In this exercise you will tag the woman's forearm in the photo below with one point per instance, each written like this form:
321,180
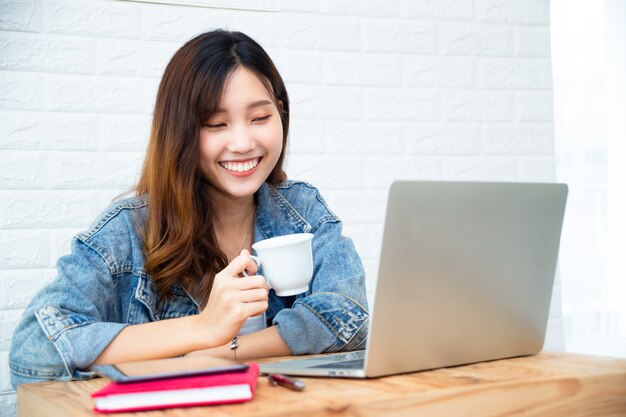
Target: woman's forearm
156,340
263,344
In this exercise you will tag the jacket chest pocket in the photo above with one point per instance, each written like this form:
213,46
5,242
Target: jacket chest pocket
178,304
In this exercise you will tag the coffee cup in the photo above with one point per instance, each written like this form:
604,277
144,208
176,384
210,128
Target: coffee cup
287,262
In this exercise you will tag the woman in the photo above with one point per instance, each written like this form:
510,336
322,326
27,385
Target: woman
159,275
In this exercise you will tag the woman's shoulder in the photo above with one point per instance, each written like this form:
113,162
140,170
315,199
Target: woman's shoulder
298,200
118,219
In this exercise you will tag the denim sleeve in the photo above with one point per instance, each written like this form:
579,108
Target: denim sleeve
65,328
333,315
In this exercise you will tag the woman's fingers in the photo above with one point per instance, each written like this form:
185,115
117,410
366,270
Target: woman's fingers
248,283
255,308
253,295
242,262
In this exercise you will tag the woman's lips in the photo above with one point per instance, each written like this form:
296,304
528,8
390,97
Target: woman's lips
240,168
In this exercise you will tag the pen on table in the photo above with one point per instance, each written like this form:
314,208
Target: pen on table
285,381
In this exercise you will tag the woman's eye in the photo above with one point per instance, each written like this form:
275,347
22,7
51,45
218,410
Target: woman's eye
215,125
261,119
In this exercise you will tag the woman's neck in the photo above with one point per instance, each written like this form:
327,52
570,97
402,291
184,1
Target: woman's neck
233,223
232,211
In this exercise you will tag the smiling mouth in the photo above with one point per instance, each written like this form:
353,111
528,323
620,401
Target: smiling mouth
240,166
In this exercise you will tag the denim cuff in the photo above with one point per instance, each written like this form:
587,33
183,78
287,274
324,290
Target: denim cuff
323,322
78,338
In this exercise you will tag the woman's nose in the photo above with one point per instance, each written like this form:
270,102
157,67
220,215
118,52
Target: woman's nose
241,141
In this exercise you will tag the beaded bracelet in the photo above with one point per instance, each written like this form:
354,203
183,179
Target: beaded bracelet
234,345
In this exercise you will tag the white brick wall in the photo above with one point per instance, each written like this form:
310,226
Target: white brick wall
381,89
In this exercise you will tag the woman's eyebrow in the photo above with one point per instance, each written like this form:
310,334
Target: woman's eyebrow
249,106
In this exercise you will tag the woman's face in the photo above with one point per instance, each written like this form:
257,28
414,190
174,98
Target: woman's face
241,143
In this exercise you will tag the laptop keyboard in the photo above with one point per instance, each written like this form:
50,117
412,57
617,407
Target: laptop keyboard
353,364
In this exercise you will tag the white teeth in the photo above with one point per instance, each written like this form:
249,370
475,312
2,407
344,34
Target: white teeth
240,166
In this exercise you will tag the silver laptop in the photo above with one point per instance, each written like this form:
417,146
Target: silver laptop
465,275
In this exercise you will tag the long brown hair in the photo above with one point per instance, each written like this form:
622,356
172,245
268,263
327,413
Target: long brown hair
180,245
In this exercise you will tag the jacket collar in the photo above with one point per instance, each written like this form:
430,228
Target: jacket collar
275,215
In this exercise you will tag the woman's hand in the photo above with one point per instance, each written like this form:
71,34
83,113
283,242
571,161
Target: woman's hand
233,299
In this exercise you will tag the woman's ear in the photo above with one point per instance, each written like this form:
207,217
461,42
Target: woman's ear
280,106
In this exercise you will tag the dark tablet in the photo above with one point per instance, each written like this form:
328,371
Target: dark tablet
168,368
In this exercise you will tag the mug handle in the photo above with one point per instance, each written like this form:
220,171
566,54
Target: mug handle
257,261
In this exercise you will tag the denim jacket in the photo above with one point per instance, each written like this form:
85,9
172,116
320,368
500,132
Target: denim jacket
102,286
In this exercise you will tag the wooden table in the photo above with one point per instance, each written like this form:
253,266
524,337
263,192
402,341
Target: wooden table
548,384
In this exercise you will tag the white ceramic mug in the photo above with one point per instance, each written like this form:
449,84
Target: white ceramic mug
287,262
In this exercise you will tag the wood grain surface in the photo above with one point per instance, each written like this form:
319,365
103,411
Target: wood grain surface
547,384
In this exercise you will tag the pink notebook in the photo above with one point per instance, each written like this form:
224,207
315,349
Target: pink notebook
191,391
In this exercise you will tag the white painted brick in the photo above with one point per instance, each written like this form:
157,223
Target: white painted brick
315,102
476,39
474,106
299,31
106,198
400,36
442,138
35,130
305,101
537,168
441,9
405,104
319,32
358,205
51,53
493,168
534,106
20,286
260,26
518,138
379,173
440,71
361,69
94,94
8,404
51,209
371,271
359,138
180,23
23,249
421,168
133,58
124,133
358,234
21,91
20,15
373,99
21,169
341,103
340,33
306,137
61,239
150,90
298,5
5,381
506,73
532,41
8,321
326,171
118,19
367,239
297,65
533,12
78,170
376,8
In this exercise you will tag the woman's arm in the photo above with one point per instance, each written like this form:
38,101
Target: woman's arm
231,302
263,344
